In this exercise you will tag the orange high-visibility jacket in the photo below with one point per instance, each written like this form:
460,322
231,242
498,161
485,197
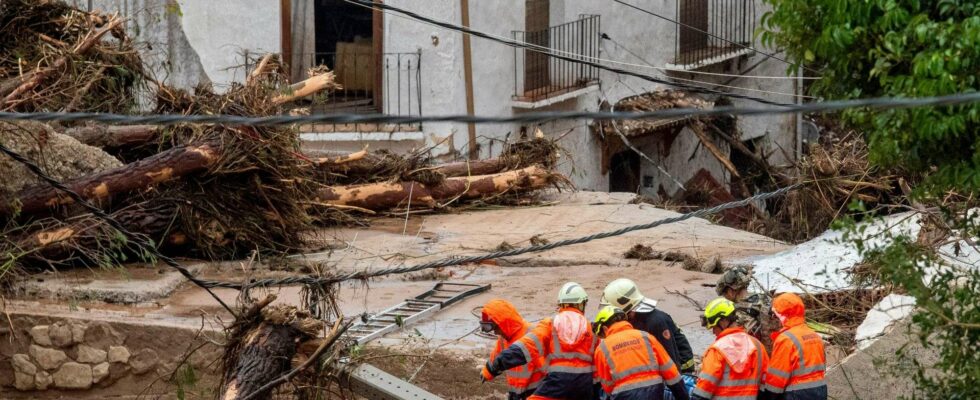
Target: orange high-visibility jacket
568,365
522,379
631,364
732,368
798,359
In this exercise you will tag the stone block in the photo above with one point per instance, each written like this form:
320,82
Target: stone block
90,355
60,334
22,363
42,380
101,335
99,372
118,354
73,375
23,381
39,334
46,358
78,333
144,361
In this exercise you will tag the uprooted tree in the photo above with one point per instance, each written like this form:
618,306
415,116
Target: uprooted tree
909,49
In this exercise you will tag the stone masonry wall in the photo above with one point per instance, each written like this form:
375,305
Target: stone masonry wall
49,357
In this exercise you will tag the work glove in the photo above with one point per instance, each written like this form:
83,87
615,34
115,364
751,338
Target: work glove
688,366
487,373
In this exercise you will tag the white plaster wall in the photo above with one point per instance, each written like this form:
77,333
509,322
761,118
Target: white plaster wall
222,31
156,27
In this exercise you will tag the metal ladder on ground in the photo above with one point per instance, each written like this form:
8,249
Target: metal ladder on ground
442,295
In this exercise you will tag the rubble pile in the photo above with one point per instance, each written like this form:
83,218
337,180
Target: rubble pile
207,191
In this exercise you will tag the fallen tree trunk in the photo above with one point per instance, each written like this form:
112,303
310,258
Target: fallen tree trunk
263,348
141,174
383,196
61,241
115,137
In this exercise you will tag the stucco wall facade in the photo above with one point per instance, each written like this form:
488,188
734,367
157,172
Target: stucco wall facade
206,40
634,38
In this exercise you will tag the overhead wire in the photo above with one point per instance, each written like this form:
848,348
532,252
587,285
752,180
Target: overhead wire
880,103
548,52
717,85
744,46
591,58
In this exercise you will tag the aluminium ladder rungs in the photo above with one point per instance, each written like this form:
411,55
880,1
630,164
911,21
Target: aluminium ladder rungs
442,295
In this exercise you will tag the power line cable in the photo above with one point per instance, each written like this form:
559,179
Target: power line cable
451,261
716,86
598,59
138,240
768,55
576,59
320,280
629,144
880,103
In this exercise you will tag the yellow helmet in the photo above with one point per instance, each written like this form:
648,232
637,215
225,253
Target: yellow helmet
606,314
716,310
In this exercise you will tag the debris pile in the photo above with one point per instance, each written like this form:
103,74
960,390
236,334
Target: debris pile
58,58
209,191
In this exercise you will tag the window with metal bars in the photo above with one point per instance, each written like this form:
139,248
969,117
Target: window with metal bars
713,31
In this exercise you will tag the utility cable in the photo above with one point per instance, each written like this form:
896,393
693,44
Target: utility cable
576,59
773,56
360,275
101,215
451,261
878,103
627,142
726,85
599,59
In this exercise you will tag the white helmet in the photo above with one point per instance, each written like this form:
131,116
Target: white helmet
572,293
624,294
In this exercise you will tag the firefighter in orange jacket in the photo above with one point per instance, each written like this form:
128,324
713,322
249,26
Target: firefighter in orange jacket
566,343
630,364
734,365
500,317
796,370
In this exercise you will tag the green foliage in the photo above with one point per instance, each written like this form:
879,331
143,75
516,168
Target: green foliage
898,48
186,380
907,48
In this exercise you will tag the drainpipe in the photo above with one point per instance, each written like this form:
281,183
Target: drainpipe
799,116
286,34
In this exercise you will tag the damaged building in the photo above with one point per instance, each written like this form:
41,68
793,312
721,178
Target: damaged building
387,63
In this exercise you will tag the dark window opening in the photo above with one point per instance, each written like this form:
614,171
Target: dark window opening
345,43
624,172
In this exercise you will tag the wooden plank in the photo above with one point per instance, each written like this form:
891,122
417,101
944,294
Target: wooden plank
474,150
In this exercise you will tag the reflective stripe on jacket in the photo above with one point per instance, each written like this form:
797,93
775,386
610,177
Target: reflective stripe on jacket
568,365
798,360
522,379
631,364
732,368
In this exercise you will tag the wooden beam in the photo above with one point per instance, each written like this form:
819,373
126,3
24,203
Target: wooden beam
474,150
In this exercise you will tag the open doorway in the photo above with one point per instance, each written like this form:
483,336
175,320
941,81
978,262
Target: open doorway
624,172
348,41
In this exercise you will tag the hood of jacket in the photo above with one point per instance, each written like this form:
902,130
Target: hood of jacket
790,310
503,313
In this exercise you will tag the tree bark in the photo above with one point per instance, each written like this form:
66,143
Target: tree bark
266,349
115,137
61,242
383,196
305,88
141,174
